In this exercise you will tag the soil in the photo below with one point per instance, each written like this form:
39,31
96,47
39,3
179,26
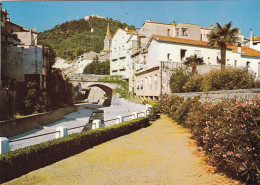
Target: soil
160,154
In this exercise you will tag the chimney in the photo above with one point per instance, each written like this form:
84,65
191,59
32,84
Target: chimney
34,29
251,38
174,29
239,47
8,19
211,26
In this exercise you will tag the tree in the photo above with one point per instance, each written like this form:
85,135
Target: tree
97,67
192,62
222,37
34,99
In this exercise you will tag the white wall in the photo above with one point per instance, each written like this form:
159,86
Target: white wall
121,62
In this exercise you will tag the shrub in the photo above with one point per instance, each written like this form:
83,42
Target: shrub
227,79
34,100
178,79
228,131
154,111
193,84
16,163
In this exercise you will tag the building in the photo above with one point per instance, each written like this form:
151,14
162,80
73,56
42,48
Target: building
123,46
253,42
22,59
164,53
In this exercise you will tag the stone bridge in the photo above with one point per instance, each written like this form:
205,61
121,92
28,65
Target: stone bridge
85,82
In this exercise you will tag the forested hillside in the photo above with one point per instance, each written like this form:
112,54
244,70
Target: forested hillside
74,38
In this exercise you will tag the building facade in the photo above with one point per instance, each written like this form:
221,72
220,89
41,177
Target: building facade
166,53
22,59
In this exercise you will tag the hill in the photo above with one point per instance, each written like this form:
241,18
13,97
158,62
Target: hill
74,38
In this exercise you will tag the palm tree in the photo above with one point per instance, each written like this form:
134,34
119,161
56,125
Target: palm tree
192,62
221,37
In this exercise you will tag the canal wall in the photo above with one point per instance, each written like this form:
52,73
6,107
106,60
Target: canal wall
17,126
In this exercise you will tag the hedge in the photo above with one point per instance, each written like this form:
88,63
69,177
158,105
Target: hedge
19,162
229,132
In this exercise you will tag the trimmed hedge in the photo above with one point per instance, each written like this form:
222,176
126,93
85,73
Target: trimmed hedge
19,162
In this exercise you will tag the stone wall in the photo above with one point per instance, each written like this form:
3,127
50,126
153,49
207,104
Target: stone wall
14,127
241,94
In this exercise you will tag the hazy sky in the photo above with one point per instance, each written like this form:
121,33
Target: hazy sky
45,15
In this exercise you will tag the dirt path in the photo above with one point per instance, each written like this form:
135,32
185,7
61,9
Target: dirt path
159,154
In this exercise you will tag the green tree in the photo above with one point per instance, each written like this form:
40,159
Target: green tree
193,61
97,67
222,37
178,79
34,100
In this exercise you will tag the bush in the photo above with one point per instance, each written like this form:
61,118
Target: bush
34,100
227,79
19,162
154,112
193,84
178,79
223,79
228,131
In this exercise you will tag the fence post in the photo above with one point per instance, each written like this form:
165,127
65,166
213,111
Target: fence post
135,115
4,145
119,119
63,131
96,123
144,113
147,107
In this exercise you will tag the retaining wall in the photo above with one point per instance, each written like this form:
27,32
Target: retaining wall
241,94
17,126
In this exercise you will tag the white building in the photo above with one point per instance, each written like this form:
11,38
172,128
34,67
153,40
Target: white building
122,47
170,52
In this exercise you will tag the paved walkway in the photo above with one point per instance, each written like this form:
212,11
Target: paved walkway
160,154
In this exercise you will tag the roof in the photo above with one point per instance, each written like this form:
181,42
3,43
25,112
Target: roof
254,39
23,28
180,40
155,23
246,51
128,31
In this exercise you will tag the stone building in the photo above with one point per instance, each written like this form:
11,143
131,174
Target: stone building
22,59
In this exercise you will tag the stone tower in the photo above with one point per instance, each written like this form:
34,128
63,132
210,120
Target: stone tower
107,40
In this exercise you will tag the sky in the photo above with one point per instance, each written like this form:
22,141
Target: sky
45,15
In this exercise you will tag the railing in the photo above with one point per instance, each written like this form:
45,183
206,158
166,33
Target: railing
63,131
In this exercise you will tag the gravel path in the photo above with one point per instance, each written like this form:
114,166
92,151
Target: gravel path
159,154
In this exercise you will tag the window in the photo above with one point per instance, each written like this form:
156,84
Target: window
146,82
258,69
177,32
150,82
184,32
137,85
144,59
183,52
168,32
247,64
155,82
142,84
235,63
218,57
209,60
168,56
198,53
